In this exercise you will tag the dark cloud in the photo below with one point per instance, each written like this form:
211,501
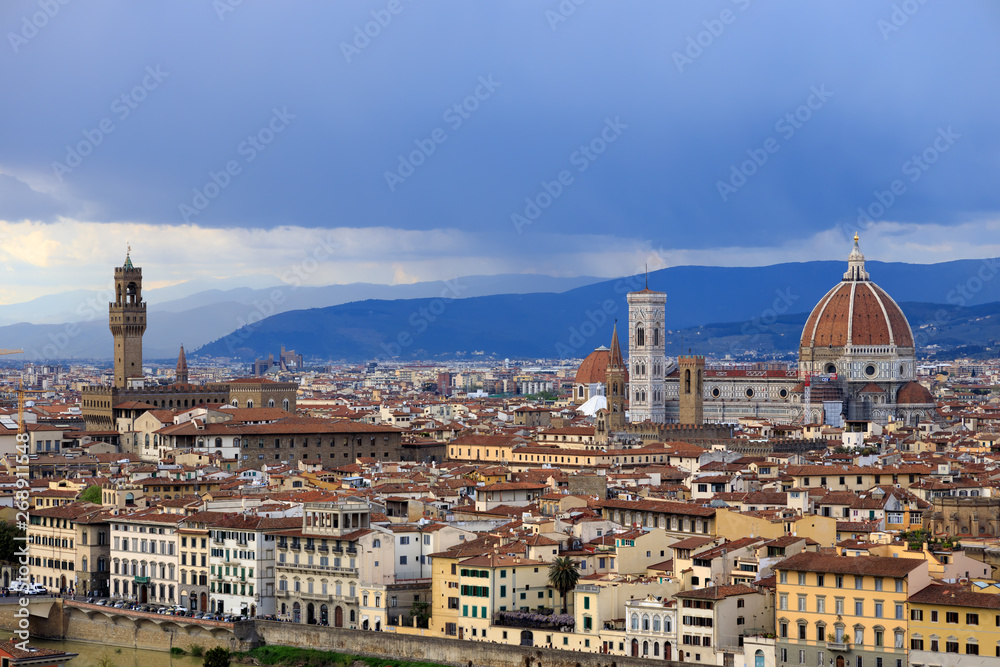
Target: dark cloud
701,86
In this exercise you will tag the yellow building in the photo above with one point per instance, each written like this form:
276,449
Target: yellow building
843,610
69,548
951,626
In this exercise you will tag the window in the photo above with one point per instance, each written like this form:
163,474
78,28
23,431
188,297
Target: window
783,601
840,581
951,646
802,578
859,636
972,619
918,615
934,616
802,603
859,583
802,631
878,609
784,577
899,611
879,637
859,609
951,617
819,579
878,583
897,639
820,605
784,629
972,649
838,606
916,644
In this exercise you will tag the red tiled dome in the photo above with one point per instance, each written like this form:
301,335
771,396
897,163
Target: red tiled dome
913,393
856,313
594,368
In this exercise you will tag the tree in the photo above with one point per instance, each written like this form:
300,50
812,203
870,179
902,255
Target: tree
217,657
92,494
563,575
9,544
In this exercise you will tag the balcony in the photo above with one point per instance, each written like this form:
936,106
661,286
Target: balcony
310,547
842,645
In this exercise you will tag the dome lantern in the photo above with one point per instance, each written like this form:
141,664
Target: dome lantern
856,263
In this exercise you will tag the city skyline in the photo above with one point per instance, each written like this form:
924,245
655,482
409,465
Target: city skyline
228,142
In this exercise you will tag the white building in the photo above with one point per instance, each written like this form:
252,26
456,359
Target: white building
144,560
241,563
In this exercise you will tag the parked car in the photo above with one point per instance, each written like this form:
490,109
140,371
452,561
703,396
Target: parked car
35,589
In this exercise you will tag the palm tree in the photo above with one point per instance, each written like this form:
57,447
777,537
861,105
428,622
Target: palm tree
563,575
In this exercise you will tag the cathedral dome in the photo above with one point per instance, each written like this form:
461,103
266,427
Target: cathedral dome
594,368
856,312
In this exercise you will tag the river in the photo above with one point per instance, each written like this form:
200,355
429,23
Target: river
91,655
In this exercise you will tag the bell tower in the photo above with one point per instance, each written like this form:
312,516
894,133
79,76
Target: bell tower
616,380
127,319
692,401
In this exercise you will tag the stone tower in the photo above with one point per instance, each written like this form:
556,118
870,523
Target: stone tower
127,319
181,376
692,371
616,378
646,355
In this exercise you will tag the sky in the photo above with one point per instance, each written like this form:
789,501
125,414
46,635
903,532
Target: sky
395,141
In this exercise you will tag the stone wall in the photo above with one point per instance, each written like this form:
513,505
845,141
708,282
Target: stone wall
437,649
76,621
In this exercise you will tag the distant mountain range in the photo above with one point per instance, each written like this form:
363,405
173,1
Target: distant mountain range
74,324
765,308
762,310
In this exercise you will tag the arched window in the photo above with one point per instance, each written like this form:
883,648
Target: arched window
249,403
635,621
218,442
640,337
656,334
687,380
236,403
645,623
285,403
270,403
